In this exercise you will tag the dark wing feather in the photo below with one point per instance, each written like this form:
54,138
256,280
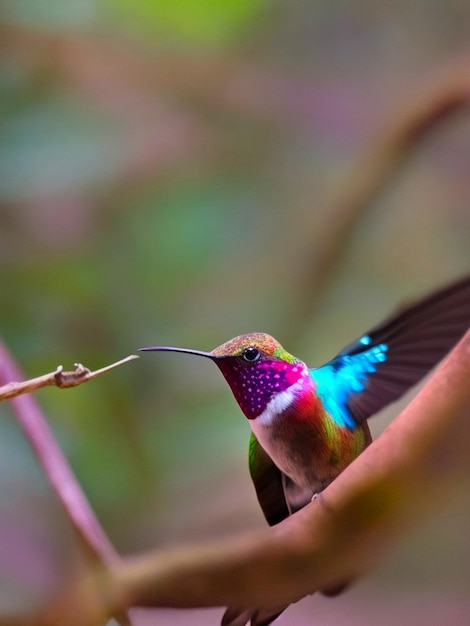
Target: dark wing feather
236,616
268,482
278,497
382,365
255,617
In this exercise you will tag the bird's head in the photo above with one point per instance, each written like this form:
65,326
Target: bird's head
256,367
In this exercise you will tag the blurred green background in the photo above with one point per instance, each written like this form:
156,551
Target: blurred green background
164,169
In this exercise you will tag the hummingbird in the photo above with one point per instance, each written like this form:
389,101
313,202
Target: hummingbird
308,424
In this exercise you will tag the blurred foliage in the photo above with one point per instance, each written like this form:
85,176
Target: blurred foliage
208,22
162,169
35,138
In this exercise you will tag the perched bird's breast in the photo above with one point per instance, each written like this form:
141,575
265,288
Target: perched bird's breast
305,442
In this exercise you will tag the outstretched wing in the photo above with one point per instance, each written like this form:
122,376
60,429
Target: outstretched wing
382,365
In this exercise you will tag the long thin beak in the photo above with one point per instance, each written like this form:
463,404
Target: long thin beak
208,355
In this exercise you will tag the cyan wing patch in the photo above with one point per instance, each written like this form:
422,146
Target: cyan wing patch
383,364
345,375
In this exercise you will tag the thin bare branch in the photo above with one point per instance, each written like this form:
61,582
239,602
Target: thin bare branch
58,378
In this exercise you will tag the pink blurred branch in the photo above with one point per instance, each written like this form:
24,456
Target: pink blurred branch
55,465
51,458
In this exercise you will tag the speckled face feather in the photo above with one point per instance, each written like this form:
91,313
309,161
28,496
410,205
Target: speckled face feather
254,384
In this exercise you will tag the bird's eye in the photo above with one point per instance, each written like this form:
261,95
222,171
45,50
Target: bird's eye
251,354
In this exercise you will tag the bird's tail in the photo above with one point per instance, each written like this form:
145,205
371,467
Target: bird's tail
236,616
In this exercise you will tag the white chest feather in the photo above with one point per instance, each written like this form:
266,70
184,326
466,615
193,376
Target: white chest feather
277,405
264,425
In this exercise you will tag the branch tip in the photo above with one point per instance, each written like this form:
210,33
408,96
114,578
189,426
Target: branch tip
59,378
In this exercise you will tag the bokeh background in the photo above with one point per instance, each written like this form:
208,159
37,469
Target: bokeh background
165,169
